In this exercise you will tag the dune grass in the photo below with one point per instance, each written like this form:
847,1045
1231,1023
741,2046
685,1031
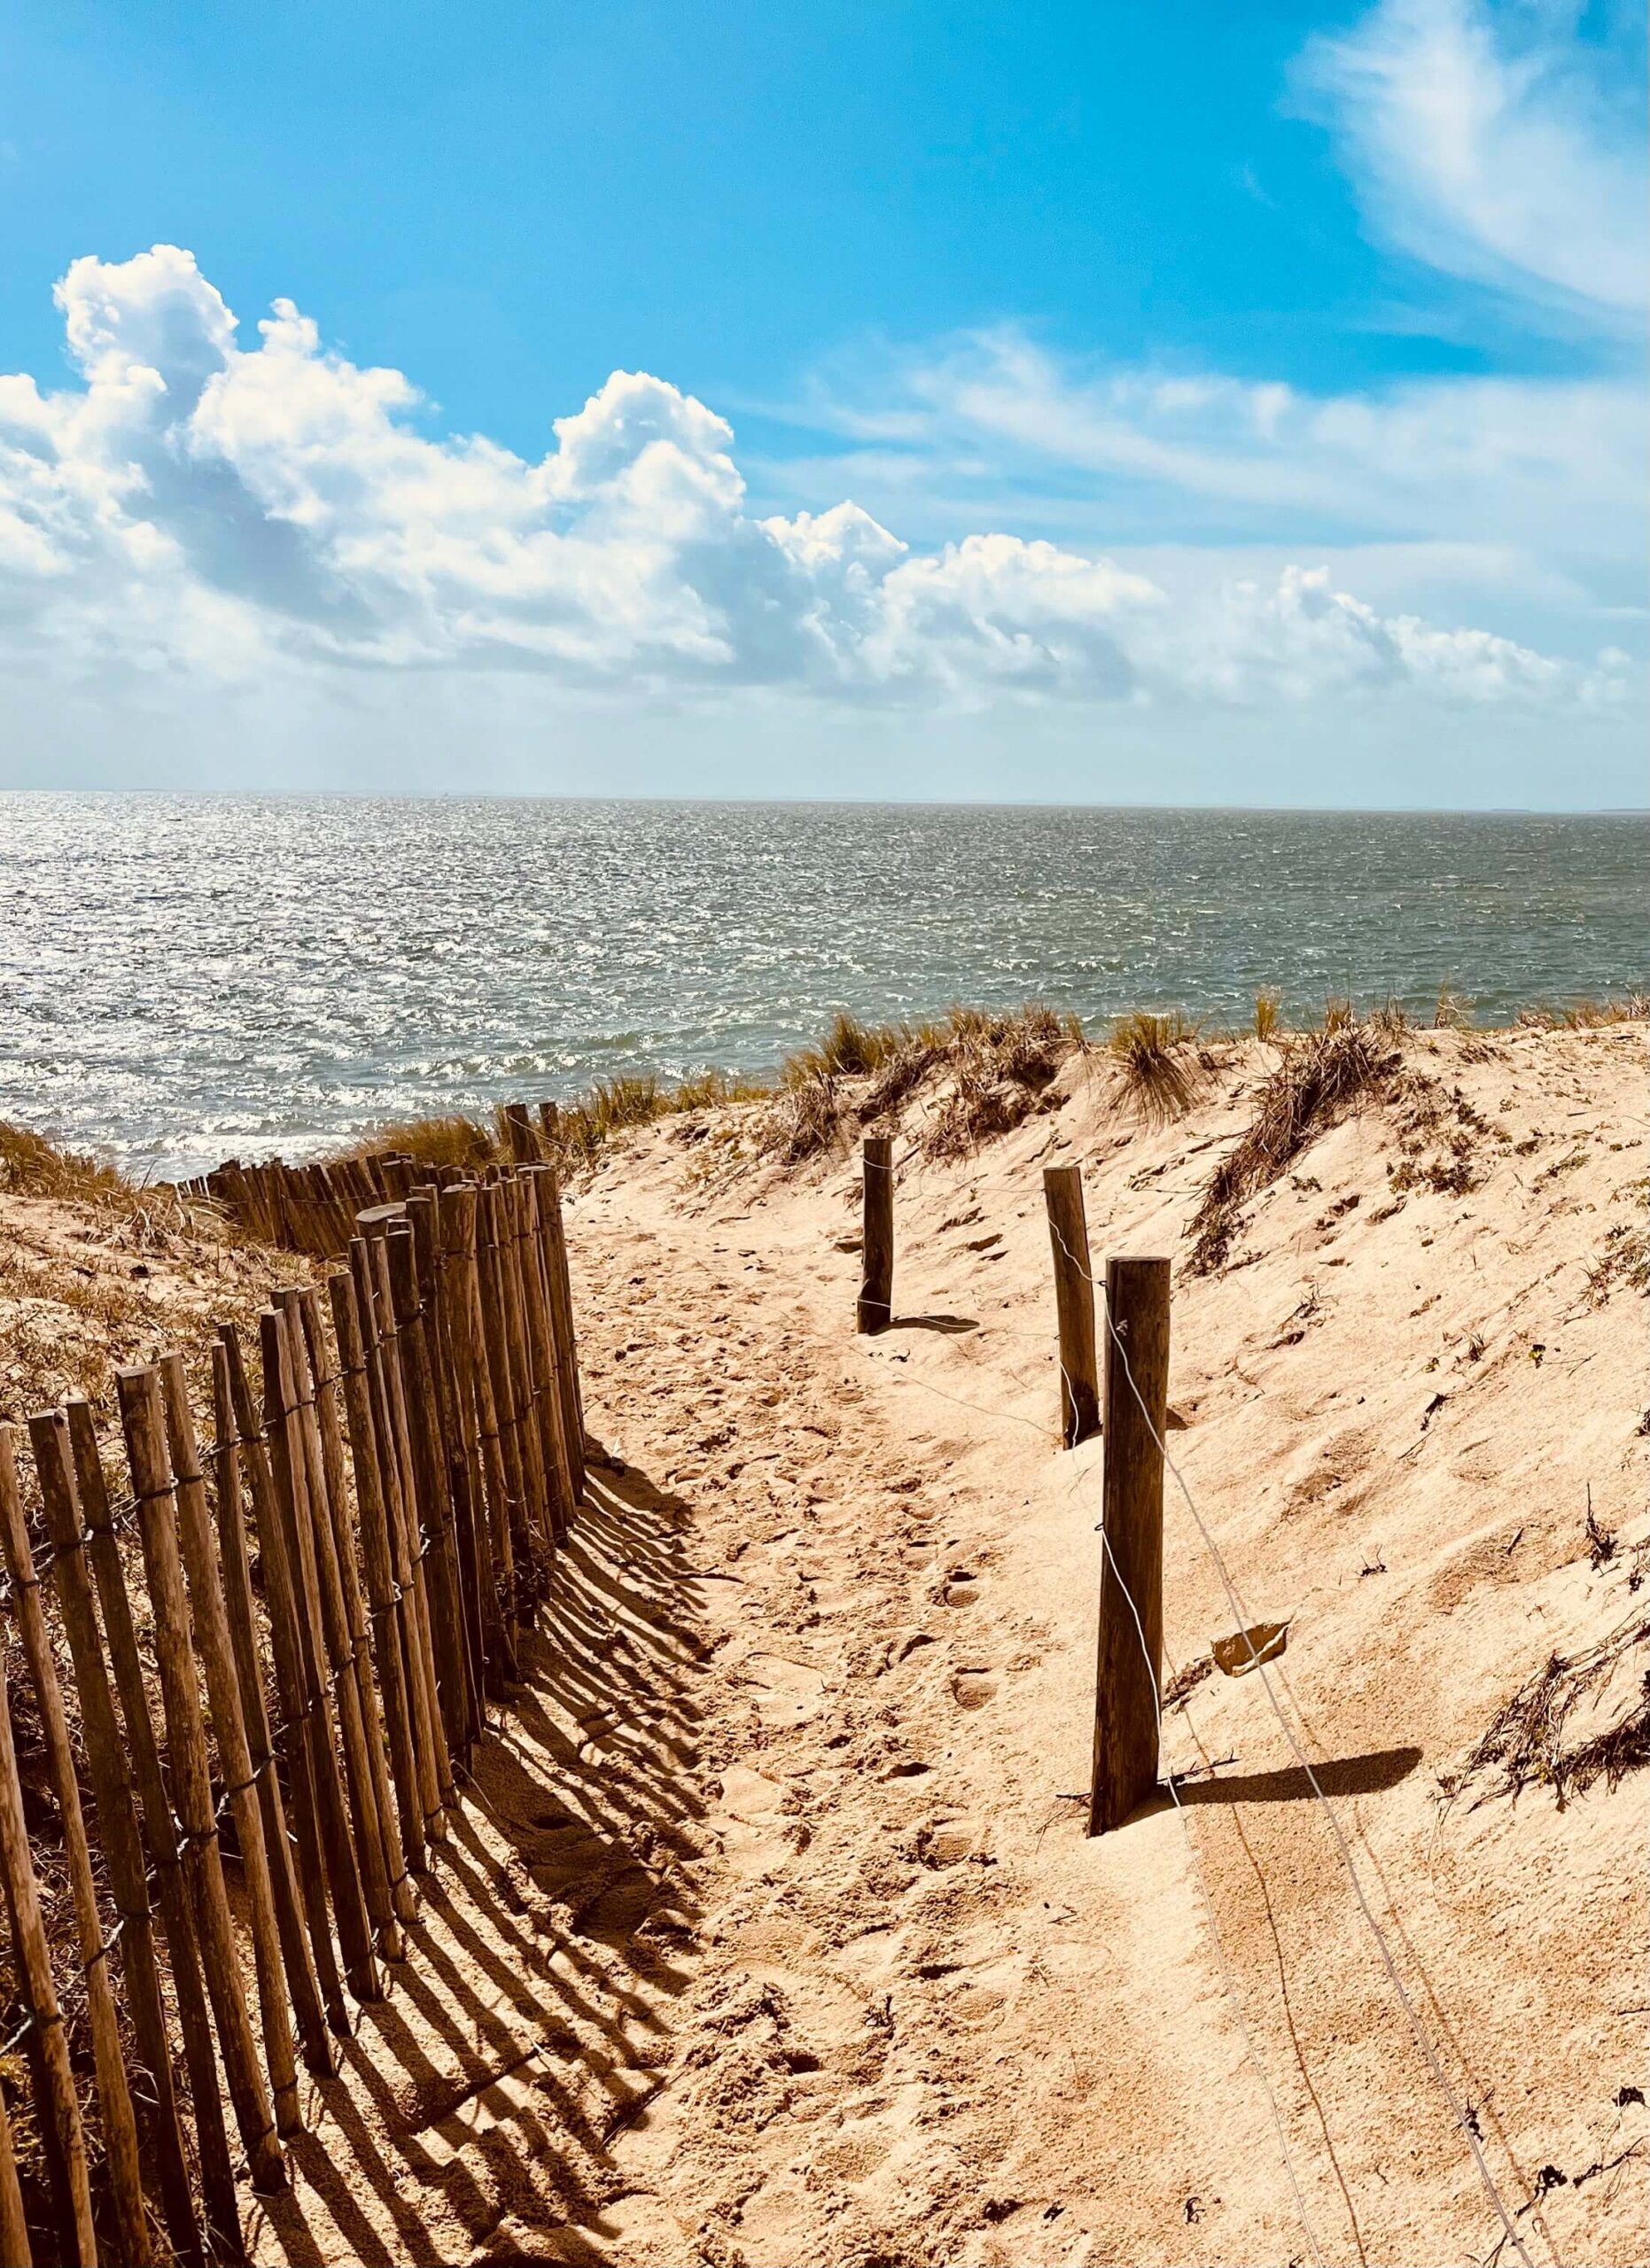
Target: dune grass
1322,1076
1161,1075
32,1166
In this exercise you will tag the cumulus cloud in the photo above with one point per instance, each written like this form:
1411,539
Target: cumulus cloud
200,506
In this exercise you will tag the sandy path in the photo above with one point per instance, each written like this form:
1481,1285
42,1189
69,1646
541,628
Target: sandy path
778,1941
935,2022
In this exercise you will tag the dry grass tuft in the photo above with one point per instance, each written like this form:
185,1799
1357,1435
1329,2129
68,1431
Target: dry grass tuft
1527,1741
1320,1077
452,1139
1266,1011
1587,1016
1000,1064
1161,1077
1625,1259
30,1166
1452,1011
849,1050
804,1122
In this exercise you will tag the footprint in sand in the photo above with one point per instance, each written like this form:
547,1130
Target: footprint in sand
972,1689
789,1693
947,1842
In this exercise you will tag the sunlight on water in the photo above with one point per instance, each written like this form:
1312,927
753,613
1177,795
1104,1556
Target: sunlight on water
187,977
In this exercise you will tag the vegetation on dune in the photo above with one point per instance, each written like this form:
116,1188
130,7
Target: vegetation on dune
987,1069
1604,1688
1162,1074
1323,1075
31,1166
991,1064
1587,1016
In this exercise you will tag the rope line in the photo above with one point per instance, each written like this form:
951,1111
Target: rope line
1209,1907
1240,1616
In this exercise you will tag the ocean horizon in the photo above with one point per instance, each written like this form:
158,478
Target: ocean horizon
187,976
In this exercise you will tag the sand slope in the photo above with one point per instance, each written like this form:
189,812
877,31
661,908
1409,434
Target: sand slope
929,2019
772,1935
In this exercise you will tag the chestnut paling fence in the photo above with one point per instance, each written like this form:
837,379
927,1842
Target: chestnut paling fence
269,1639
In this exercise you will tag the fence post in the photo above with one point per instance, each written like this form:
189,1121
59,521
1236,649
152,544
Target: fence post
117,1823
58,2107
518,1135
154,1487
217,2176
1128,1669
114,2100
876,1288
1074,1303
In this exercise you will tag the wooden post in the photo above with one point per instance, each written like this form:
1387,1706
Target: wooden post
318,1553
211,1622
466,1516
506,1218
143,1425
496,1350
541,1336
1131,1577
283,1417
119,2127
1074,1303
386,1641
550,1124
402,1896
117,1833
545,1219
876,1288
519,1136
14,2245
460,1710
487,1575
217,2176
435,1768
305,1740
57,2105
302,1983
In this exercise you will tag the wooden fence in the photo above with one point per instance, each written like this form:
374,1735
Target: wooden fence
272,1638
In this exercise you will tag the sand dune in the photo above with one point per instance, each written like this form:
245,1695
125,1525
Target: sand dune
773,1936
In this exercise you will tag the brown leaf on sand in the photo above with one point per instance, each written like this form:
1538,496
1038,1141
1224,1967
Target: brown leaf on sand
1245,1649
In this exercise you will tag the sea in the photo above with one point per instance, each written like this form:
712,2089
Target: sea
184,978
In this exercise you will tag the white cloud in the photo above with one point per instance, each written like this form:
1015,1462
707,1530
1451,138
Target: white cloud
197,507
1556,463
1496,146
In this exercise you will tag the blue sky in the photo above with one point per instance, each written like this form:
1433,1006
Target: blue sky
1195,402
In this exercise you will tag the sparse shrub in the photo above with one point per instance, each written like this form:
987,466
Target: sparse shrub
804,1121
1453,1010
899,1077
1000,1062
1160,1076
1526,1741
1391,1018
451,1139
1320,1077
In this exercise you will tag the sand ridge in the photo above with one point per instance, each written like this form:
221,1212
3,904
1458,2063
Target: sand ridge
769,1935
934,2022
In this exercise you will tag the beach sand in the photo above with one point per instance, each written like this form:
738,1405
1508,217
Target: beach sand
774,1936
